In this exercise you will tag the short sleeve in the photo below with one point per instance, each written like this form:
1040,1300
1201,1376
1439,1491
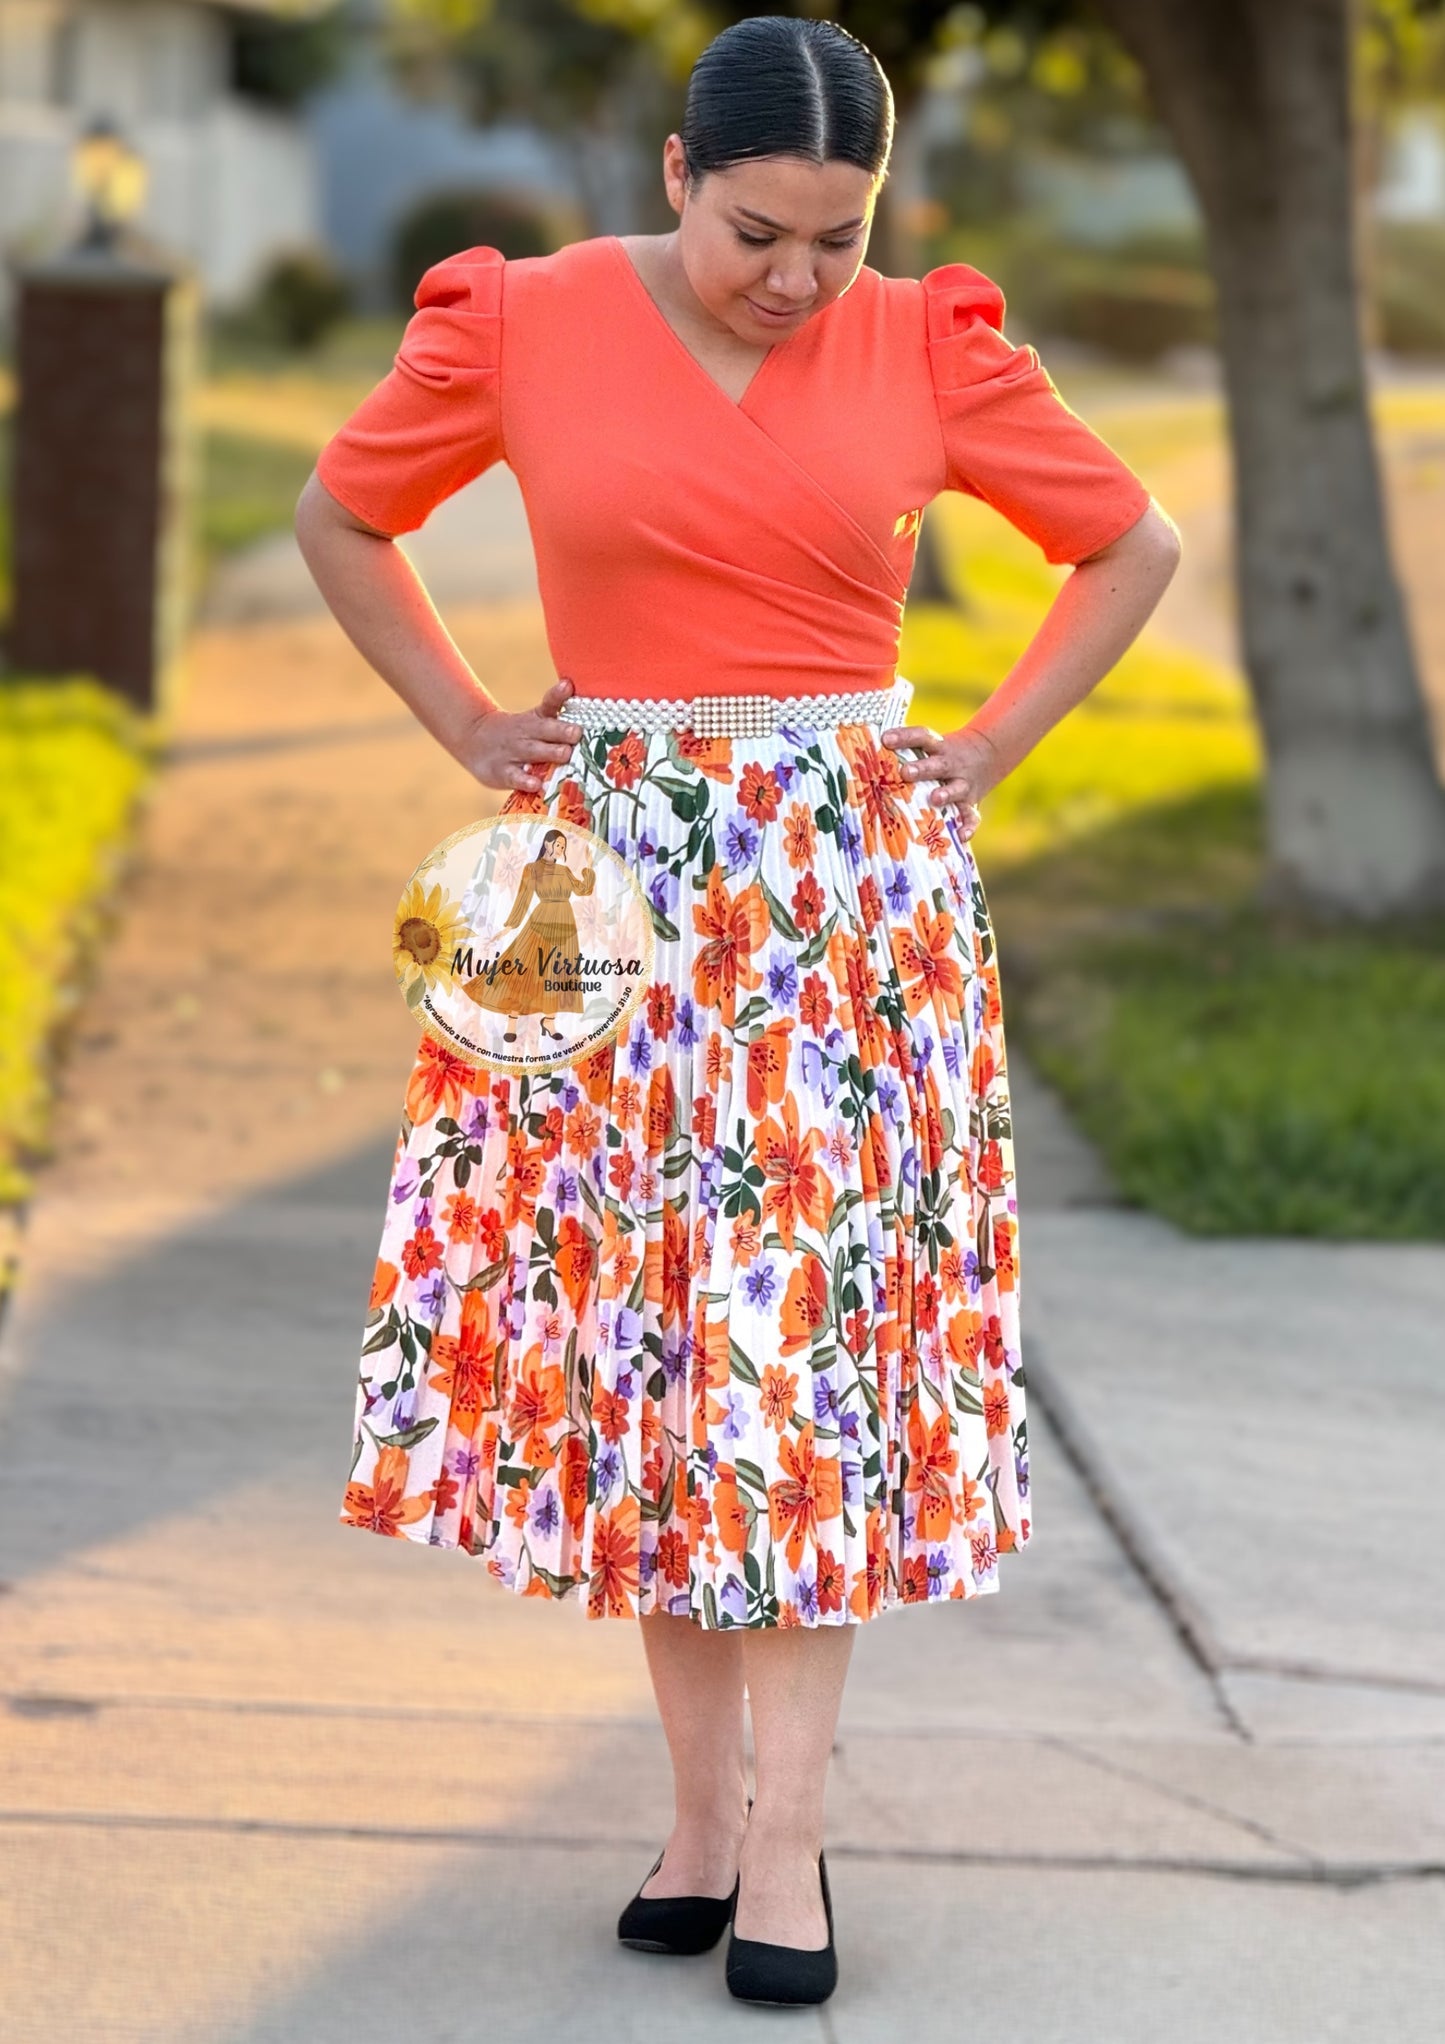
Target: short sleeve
1008,436
434,422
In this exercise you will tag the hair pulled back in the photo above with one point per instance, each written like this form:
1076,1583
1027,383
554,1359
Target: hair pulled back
785,85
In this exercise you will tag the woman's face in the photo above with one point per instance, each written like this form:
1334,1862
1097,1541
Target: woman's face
773,235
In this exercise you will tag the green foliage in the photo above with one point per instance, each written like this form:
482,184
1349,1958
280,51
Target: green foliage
280,62
447,222
74,760
301,297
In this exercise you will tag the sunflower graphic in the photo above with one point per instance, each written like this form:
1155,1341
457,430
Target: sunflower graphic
429,926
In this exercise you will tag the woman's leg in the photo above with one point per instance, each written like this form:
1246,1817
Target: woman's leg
795,1680
697,1676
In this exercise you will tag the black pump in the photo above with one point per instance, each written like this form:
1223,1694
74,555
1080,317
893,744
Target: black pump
684,1924
784,1975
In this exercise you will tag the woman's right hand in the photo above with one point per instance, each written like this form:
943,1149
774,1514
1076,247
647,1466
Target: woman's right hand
515,748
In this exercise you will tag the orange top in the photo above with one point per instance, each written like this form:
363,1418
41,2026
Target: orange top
687,544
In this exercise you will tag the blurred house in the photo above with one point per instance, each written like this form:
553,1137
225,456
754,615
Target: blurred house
231,178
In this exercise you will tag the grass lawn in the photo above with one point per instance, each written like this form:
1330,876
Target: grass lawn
1241,1074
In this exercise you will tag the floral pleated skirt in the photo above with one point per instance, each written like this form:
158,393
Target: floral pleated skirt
722,1319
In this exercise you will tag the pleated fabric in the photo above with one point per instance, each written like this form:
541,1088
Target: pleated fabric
722,1319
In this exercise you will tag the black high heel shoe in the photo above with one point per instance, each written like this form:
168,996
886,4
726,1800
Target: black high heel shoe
685,1924
784,1975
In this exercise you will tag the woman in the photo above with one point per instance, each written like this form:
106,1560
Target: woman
516,983
720,1328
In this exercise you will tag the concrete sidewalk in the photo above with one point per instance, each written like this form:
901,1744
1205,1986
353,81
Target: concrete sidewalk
268,1779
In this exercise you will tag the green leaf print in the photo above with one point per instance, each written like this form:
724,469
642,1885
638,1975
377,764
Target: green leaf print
741,1366
782,922
409,1436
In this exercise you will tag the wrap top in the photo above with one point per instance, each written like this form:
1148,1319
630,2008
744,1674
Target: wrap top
688,543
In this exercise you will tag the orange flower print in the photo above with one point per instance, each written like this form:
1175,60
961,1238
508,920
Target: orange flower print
539,1399
526,1171
462,1366
616,1560
768,1065
462,1217
731,929
800,837
421,1254
733,1519
808,1495
804,1311
382,1505
931,1463
626,759
927,962
384,1282
439,1079
669,1266
808,904
779,1396
760,793
996,1407
576,1260
798,1189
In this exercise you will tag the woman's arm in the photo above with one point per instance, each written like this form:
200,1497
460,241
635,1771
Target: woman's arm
382,605
1096,616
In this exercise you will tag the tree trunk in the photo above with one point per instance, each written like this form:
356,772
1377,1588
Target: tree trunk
1257,94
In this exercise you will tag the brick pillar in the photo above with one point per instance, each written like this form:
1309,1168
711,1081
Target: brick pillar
102,491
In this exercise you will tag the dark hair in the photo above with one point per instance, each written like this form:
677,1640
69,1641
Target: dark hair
547,839
783,85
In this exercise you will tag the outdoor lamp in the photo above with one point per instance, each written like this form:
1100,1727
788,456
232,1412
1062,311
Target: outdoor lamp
111,177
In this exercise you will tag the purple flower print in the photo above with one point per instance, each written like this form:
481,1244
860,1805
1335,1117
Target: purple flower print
608,1466
662,891
466,1462
433,1299
626,1323
546,1512
403,1414
565,1194
480,1119
674,1356
740,841
805,1595
898,890
504,1568
687,1029
852,1473
733,1599
850,837
781,980
940,1568
786,770
1021,1474
647,1565
760,1283
735,1424
710,1457
422,1217
408,1178
639,1051
626,1386
848,1427
825,1401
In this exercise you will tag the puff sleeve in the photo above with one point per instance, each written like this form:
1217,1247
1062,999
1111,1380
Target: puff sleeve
434,421
1008,436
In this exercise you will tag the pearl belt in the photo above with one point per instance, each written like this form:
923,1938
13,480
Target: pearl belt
738,716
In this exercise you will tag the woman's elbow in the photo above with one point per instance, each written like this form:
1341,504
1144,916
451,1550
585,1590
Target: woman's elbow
1151,544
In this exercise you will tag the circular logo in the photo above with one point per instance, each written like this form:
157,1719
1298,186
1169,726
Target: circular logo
522,943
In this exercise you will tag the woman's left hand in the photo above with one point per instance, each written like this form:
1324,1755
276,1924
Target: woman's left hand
964,764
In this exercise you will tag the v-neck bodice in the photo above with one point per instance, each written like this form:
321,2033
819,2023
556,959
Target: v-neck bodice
689,543
650,305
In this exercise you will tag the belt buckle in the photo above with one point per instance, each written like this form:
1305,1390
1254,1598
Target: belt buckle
734,716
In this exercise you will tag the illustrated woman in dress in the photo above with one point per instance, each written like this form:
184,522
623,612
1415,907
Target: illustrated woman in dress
517,984
717,1326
